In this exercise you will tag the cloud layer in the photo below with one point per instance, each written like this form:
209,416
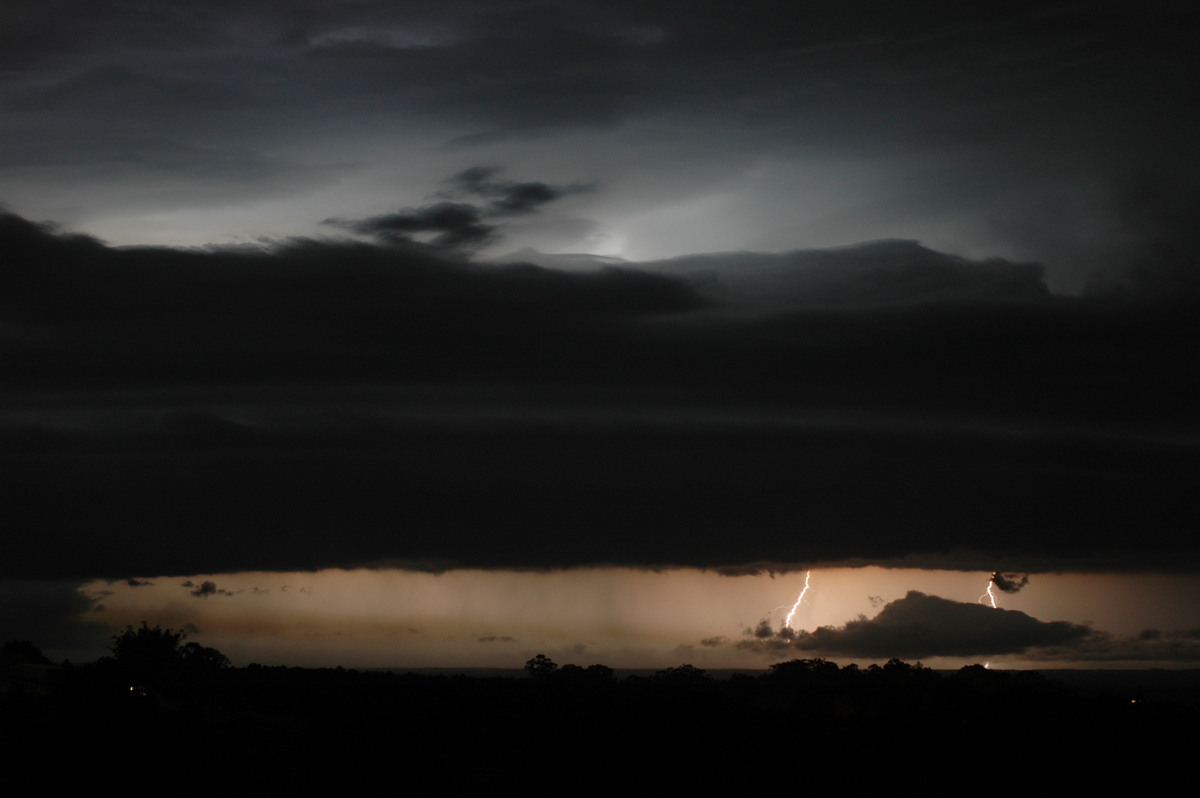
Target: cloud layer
337,403
1051,132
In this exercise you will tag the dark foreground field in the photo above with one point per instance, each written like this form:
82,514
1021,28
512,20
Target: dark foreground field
802,725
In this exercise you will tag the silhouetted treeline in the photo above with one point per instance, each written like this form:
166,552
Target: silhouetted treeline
804,720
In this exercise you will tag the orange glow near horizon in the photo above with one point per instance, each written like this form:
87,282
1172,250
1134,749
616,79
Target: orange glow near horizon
621,617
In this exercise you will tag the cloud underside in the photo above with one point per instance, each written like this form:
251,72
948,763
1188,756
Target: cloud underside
1061,130
922,626
334,403
461,225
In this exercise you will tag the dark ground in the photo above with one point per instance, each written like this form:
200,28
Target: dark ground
803,724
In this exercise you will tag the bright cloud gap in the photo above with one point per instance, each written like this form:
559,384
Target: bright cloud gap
651,618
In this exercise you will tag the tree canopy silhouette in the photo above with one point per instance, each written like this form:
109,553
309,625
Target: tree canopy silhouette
21,652
540,666
150,653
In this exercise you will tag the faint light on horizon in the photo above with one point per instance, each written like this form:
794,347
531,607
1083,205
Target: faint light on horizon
621,617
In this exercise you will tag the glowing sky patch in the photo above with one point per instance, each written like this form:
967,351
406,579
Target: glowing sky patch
619,617
722,129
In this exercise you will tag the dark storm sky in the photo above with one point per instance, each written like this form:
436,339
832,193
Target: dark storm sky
371,384
344,403
1054,132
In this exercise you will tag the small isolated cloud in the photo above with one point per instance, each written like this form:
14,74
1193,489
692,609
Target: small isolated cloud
206,589
763,631
496,639
450,225
456,225
919,626
507,197
1008,581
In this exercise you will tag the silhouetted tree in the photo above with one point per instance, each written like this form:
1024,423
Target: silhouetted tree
578,675
540,666
202,658
683,676
21,652
150,655
147,650
600,672
803,669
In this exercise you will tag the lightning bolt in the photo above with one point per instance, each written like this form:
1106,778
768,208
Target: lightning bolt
788,621
988,594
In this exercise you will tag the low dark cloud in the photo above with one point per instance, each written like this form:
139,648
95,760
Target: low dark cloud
450,224
764,631
205,589
460,225
921,626
437,411
1009,581
874,273
507,197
